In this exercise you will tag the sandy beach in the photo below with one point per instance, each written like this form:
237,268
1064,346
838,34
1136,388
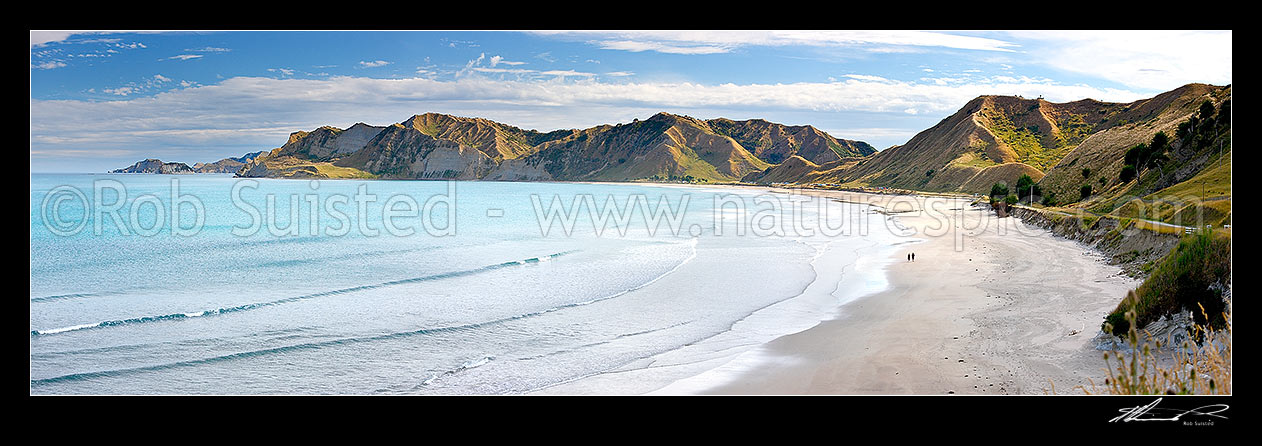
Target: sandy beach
989,306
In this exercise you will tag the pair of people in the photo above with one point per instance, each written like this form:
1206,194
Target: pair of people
911,257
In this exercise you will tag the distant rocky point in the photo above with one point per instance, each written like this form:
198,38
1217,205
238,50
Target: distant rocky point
156,166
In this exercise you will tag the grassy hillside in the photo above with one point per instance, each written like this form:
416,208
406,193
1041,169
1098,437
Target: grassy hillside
1099,160
1191,277
663,147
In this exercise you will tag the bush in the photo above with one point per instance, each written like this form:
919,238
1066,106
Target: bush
1085,191
1128,173
999,190
1207,111
1024,182
1135,155
1050,200
1182,281
1086,172
1011,199
1159,143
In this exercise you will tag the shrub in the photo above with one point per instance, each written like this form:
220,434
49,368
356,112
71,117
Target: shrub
1085,191
999,190
1135,155
1050,199
1207,111
1024,182
1224,113
1011,199
1159,142
1128,173
1086,172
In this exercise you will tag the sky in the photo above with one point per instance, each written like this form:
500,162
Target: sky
104,100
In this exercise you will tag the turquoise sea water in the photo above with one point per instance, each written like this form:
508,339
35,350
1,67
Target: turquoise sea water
462,291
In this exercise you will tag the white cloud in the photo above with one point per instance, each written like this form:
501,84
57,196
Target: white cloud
638,46
48,65
496,60
563,73
866,77
504,70
283,71
373,64
184,57
1154,60
209,49
41,38
161,78
260,111
620,73
712,42
120,91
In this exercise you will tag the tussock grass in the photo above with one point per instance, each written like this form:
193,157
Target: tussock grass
1190,276
1200,365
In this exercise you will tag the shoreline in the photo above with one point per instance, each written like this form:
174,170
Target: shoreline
988,318
990,307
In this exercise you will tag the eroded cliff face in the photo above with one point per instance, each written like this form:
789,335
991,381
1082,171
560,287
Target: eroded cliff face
663,147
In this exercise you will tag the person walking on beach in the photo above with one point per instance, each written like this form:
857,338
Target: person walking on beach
908,257
913,257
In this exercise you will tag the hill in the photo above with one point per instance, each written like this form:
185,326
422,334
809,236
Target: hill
665,147
999,138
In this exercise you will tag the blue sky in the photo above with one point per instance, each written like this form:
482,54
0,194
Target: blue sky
103,100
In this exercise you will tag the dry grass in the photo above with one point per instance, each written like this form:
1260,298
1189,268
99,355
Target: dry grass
1202,368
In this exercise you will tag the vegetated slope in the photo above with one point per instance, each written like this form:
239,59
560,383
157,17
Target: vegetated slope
774,143
152,165
999,138
663,147
427,146
1099,160
226,165
990,139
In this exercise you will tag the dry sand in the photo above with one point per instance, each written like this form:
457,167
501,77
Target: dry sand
1003,309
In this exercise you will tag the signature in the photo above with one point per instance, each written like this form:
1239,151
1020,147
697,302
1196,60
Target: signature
1151,412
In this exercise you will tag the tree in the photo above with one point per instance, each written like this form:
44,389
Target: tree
1135,154
1128,173
1159,142
999,189
1185,130
1026,187
1086,172
1207,111
1085,191
1224,113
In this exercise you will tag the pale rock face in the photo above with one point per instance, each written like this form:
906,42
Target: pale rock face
355,138
457,162
518,170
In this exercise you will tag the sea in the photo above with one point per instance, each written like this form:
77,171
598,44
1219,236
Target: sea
209,284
